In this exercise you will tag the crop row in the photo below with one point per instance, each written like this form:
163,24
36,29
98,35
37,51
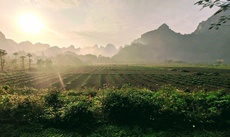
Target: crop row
151,81
118,76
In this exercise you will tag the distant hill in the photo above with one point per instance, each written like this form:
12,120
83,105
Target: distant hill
45,49
162,44
108,51
11,46
4,43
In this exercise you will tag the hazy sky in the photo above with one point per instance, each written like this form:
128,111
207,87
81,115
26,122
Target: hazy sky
88,22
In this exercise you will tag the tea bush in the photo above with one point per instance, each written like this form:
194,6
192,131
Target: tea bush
130,106
69,110
86,109
19,109
168,108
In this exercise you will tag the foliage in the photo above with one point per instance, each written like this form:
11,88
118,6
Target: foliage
167,108
135,108
2,60
44,63
102,131
224,6
68,110
19,109
130,106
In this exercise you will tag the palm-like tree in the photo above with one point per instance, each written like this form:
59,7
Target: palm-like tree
16,54
30,60
23,61
15,60
2,61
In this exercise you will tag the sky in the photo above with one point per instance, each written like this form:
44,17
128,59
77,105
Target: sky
85,23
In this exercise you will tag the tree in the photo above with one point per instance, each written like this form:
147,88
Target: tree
30,60
14,62
44,63
224,5
2,60
48,63
16,54
23,61
40,63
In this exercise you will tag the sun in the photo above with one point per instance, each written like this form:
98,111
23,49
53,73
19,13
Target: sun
31,23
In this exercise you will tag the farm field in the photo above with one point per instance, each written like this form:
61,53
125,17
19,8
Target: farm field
100,76
116,100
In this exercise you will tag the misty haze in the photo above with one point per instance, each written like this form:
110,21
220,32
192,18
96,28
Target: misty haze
114,68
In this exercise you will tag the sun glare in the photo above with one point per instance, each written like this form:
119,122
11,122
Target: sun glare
30,23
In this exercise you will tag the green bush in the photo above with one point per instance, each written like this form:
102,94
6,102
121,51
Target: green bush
167,108
207,109
52,106
20,109
130,106
70,110
172,108
78,113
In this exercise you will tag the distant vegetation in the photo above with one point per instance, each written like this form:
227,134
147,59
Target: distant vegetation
22,60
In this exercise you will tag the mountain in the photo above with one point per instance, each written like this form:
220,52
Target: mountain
3,42
71,48
45,49
52,51
203,45
11,46
108,51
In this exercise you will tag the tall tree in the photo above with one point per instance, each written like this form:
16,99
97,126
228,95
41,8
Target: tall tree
2,60
15,59
40,63
30,60
48,62
23,61
16,55
224,5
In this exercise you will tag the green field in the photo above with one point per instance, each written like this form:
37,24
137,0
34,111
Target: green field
99,76
116,101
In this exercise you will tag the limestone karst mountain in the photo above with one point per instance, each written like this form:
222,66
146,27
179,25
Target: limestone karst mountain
45,49
203,45
159,45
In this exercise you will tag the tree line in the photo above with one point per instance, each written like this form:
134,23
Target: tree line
22,59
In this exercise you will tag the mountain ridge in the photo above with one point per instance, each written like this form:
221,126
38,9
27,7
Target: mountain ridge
39,48
162,44
159,45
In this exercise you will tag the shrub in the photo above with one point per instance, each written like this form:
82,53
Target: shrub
19,109
130,106
70,110
78,113
172,108
167,108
